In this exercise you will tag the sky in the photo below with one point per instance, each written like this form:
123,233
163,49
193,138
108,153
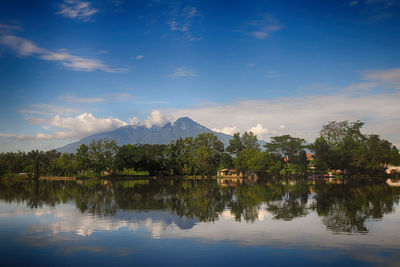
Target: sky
72,68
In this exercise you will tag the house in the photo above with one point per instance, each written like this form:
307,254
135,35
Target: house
229,173
223,172
392,169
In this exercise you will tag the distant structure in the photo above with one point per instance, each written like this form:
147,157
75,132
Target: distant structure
392,169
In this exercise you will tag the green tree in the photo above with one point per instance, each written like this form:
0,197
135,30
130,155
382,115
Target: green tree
235,144
207,153
67,164
38,161
82,158
238,144
102,154
291,148
250,141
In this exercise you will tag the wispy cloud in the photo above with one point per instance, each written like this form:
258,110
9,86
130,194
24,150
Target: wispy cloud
182,19
48,109
273,74
376,10
75,9
353,3
183,72
380,79
25,47
261,28
139,57
24,137
381,4
114,97
75,99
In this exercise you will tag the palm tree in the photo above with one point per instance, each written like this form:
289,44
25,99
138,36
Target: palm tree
39,160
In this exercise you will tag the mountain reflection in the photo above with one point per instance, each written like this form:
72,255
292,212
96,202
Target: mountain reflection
183,203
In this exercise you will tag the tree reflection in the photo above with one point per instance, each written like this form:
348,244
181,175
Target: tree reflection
344,208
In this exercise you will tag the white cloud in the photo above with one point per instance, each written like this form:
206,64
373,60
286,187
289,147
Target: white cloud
134,121
304,116
259,130
75,9
25,47
230,130
250,64
77,127
353,3
183,72
261,28
139,57
83,125
156,118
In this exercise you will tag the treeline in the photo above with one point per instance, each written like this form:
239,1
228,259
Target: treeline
340,146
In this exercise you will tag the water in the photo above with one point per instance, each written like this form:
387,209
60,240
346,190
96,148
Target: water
197,223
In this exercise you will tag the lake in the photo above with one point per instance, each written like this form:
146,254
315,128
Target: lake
198,223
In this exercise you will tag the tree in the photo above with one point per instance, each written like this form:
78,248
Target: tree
343,146
286,146
235,144
38,161
290,148
102,154
66,164
238,144
206,155
335,133
179,155
250,141
82,158
226,161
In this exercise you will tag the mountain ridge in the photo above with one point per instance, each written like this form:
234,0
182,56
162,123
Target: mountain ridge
135,134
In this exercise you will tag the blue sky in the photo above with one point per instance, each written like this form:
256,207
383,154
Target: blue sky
72,68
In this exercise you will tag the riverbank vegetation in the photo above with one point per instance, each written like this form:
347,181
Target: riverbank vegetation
340,147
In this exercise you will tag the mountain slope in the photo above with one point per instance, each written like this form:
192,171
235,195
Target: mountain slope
181,128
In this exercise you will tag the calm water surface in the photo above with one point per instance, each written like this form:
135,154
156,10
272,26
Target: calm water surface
197,223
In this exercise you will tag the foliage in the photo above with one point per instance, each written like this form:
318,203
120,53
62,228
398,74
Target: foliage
342,146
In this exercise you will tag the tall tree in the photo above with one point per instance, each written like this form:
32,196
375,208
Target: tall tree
235,144
82,158
286,146
206,155
102,154
38,161
250,141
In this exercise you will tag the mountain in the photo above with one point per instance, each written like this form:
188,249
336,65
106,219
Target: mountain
181,128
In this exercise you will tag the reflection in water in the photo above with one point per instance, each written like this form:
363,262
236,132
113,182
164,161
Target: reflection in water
138,219
343,208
